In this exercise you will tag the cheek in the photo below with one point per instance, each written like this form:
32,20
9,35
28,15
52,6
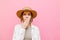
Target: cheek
29,16
24,17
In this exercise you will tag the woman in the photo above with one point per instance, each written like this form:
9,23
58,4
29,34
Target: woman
25,30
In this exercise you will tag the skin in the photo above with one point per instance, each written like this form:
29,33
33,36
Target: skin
26,20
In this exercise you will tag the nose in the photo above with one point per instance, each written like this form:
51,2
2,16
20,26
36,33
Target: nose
26,17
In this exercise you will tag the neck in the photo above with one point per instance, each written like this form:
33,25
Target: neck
29,25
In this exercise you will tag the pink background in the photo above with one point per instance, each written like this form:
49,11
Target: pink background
48,19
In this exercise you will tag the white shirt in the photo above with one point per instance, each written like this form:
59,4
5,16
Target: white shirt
19,33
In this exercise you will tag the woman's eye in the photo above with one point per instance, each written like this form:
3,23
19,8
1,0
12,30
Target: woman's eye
29,14
24,14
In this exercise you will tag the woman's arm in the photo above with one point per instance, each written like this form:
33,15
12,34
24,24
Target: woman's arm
18,33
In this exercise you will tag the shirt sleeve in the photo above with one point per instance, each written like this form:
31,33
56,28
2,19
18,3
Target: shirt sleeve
38,34
18,33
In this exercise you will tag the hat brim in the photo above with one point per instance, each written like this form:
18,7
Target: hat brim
19,12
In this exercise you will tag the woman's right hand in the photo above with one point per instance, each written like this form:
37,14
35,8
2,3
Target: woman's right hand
25,23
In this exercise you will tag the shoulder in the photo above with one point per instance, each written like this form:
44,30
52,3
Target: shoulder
35,27
17,26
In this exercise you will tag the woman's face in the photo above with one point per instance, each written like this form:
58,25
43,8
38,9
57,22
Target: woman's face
26,15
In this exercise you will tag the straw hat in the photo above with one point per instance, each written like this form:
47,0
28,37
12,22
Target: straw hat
19,12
